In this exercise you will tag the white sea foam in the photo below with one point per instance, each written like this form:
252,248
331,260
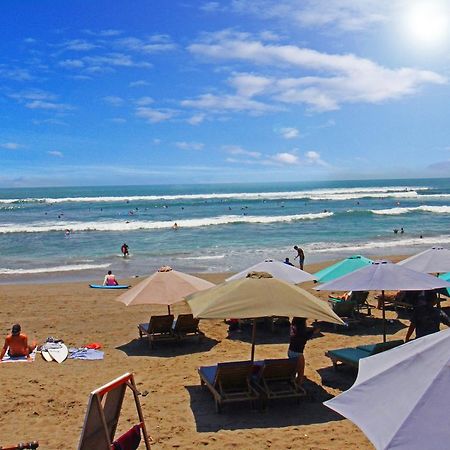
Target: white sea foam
116,225
315,194
205,257
67,268
424,208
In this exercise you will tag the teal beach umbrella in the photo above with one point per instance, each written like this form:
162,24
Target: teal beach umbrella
342,268
446,277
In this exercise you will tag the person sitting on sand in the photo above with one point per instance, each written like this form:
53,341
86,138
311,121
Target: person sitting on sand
110,279
299,335
16,344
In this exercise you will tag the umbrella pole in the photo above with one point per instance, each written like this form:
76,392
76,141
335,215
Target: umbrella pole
168,309
253,340
384,317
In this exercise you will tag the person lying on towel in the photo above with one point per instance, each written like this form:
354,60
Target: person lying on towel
17,343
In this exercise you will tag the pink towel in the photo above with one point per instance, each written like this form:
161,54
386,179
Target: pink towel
130,440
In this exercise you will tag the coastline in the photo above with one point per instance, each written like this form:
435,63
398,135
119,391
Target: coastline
178,412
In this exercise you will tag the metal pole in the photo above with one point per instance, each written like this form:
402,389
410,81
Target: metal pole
384,317
168,309
253,340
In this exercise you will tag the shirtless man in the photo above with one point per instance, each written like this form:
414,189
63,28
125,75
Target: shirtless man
300,256
17,343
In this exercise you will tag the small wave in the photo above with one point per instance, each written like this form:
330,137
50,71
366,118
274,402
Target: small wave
142,225
206,257
67,268
423,208
316,194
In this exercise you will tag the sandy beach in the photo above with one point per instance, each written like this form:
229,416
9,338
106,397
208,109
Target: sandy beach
47,402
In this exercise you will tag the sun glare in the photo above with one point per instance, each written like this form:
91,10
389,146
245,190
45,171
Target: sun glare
427,23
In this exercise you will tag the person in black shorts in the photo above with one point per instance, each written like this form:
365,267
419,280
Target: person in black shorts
299,335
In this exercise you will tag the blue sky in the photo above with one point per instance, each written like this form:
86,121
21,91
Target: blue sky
143,92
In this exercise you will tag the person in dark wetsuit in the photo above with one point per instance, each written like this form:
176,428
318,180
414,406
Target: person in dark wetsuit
299,335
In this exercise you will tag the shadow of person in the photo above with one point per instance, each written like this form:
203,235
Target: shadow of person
280,413
139,347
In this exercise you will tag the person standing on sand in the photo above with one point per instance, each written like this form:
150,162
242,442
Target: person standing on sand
17,343
299,335
300,256
124,250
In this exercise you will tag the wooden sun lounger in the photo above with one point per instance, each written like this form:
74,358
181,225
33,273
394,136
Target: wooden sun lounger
159,328
276,379
350,356
186,326
229,382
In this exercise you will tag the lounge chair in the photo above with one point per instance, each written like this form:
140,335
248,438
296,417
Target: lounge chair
345,309
186,326
159,328
276,379
350,356
358,298
229,382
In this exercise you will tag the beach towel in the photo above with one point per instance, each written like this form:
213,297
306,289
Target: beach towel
130,440
11,359
85,353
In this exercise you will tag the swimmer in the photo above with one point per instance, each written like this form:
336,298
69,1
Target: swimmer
67,232
124,250
175,226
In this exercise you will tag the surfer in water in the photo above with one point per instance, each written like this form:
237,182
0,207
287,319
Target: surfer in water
17,343
110,279
124,250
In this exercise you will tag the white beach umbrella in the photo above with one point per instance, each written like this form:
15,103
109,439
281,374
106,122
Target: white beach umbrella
400,398
433,260
278,270
259,295
164,287
384,276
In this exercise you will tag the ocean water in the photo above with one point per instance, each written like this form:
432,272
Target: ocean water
221,227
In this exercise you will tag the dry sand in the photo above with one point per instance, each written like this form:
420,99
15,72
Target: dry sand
47,402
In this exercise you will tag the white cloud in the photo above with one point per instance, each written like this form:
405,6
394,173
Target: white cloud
189,145
15,73
138,83
196,119
11,145
321,81
80,45
113,100
153,115
144,101
236,150
210,7
289,133
72,63
286,158
115,60
314,158
50,106
55,153
153,44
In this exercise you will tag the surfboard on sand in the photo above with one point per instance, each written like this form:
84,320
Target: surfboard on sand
101,286
59,354
45,354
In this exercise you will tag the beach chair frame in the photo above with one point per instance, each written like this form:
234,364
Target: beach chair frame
232,383
103,412
186,326
157,329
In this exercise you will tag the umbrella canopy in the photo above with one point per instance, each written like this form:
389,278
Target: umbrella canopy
446,277
259,296
342,268
164,287
433,260
278,270
384,276
400,398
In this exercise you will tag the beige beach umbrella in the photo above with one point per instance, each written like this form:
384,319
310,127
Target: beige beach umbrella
258,295
164,287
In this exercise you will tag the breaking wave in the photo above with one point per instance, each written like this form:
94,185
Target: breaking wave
67,268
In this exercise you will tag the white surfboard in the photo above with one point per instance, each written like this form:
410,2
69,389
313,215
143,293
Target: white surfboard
59,354
46,355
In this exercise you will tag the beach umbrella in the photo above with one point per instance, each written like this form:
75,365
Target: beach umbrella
384,276
342,268
258,295
164,287
446,277
433,260
278,270
400,398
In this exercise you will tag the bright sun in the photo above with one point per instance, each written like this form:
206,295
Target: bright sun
427,22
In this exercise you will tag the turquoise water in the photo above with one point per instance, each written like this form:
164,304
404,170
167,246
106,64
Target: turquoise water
220,227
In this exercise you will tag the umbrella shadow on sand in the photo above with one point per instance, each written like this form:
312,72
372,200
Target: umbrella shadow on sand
341,379
280,413
370,326
139,347
280,334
